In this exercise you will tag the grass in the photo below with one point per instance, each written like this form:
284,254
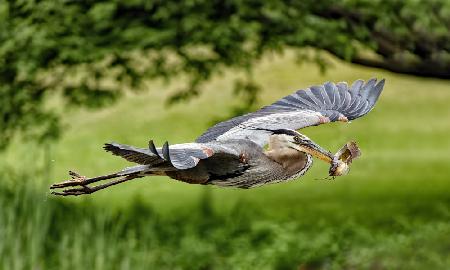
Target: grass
391,212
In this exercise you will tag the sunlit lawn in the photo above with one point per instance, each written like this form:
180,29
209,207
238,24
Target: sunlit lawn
398,193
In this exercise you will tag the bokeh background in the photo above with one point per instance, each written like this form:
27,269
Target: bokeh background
77,74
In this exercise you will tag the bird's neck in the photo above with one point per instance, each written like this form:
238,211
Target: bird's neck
290,159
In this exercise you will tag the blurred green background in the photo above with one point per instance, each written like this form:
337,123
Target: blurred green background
391,212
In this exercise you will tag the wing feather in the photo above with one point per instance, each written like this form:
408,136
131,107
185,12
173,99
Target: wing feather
356,87
179,156
133,154
309,100
333,94
312,106
311,95
347,98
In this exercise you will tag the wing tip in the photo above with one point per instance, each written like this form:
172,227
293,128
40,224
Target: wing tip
374,80
376,91
110,146
381,83
152,148
165,151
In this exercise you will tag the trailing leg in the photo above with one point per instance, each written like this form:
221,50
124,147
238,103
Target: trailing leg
84,189
78,180
82,182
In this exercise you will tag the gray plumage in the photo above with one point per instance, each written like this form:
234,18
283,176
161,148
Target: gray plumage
301,109
333,101
233,153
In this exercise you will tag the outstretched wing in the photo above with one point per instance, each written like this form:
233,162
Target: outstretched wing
313,106
178,156
134,154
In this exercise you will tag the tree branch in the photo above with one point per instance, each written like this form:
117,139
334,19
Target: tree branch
425,68
389,47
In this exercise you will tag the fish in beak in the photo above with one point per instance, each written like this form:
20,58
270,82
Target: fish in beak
343,159
339,162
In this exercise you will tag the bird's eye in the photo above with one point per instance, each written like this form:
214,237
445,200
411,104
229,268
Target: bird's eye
297,139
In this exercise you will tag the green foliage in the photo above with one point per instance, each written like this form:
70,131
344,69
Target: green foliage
49,233
89,52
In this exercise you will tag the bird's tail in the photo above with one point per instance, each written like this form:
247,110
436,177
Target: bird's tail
178,157
134,154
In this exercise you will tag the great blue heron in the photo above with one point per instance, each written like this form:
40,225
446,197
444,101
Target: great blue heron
234,153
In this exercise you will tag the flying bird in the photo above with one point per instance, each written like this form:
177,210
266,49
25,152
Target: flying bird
251,150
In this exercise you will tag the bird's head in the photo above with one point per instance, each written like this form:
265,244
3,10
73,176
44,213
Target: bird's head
295,140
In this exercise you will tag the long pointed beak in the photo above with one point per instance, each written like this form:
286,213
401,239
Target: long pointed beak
315,150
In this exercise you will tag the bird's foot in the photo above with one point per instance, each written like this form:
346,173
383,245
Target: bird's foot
76,175
75,191
76,180
80,183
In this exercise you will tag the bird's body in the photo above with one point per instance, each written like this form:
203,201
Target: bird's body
241,164
250,150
